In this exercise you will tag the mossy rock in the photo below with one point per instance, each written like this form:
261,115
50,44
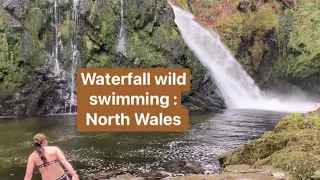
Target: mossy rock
301,51
34,20
293,147
294,122
243,25
1,21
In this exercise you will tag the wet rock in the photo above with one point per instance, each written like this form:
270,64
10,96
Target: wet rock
42,70
11,4
38,94
227,176
126,177
316,175
14,8
202,100
257,50
105,175
288,3
154,175
184,167
279,175
243,6
9,22
131,170
240,169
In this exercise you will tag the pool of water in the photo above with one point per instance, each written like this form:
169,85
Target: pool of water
209,135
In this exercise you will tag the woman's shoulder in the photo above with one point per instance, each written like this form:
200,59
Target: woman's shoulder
33,155
54,148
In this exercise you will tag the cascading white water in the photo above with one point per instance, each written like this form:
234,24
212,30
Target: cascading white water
75,11
121,37
68,94
56,63
72,83
237,87
75,60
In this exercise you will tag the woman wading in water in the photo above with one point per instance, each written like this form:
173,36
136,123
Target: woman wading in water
47,159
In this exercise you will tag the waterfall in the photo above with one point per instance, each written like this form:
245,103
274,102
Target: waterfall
72,82
65,71
55,54
75,11
237,87
75,61
121,37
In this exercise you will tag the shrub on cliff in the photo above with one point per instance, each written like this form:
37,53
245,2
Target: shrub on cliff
241,25
302,55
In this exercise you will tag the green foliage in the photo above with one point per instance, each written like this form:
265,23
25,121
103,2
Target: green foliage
90,6
109,26
10,55
1,21
208,3
232,31
182,4
241,25
302,55
67,29
34,22
102,60
246,62
106,22
148,49
132,14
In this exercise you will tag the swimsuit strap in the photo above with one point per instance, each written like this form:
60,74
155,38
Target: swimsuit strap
49,163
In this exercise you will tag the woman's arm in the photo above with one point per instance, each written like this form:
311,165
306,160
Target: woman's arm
29,169
66,164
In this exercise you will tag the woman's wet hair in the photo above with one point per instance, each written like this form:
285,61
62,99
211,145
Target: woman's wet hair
40,150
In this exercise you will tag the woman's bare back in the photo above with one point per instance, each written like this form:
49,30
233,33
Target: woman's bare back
49,160
53,170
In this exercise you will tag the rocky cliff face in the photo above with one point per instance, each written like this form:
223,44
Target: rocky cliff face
42,42
276,41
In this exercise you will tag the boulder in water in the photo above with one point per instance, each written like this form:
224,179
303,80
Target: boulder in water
154,175
126,177
184,167
105,174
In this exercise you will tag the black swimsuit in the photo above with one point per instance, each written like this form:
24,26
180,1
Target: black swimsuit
48,163
63,177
